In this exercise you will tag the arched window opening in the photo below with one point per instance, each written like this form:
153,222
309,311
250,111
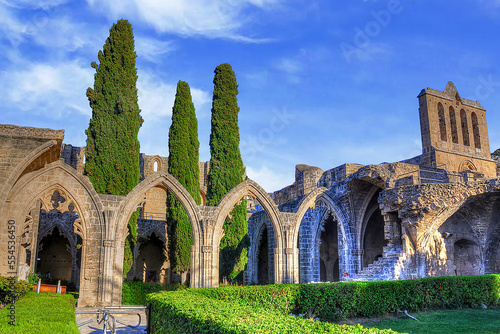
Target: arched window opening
475,131
155,166
83,159
453,123
442,122
465,127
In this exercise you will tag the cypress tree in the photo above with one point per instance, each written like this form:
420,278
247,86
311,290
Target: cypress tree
227,171
112,153
183,147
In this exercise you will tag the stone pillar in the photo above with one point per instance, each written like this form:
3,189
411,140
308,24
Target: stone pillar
392,232
34,236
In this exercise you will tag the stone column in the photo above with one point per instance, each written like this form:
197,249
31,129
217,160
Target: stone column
34,236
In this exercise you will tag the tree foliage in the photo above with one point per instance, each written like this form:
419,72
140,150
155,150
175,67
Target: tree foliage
112,153
227,171
183,147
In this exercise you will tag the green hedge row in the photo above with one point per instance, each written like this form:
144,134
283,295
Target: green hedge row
188,312
134,293
372,299
266,309
6,289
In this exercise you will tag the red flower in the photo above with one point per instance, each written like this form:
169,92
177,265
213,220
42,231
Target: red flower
440,287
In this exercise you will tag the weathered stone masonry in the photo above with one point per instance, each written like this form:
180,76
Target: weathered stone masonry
432,215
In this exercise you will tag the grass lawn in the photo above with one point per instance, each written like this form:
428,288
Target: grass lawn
446,322
42,313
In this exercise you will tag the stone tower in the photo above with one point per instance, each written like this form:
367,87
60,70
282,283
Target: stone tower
454,132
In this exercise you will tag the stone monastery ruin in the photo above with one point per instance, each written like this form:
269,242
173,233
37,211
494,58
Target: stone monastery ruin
436,214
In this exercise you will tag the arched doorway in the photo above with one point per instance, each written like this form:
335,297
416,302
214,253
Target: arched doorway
263,259
55,256
373,238
152,260
329,251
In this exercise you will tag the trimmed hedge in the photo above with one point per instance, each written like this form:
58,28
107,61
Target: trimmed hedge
134,293
372,299
188,312
266,309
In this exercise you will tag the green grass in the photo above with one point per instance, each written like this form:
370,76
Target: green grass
446,322
42,313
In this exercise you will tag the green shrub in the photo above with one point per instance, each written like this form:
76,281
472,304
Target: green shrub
21,288
134,293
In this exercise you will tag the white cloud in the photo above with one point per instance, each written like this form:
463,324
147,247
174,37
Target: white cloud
57,33
54,90
210,18
156,97
268,179
152,49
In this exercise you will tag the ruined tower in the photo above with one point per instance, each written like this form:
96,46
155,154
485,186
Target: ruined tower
454,132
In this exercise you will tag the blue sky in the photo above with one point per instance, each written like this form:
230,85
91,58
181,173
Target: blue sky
321,82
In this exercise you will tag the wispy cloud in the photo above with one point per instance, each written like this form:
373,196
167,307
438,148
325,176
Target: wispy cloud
268,179
156,97
209,18
152,49
56,90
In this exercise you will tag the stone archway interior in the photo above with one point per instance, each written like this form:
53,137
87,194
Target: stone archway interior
263,259
329,251
55,256
373,239
152,263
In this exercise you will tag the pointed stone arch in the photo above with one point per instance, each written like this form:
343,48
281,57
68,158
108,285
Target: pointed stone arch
24,163
251,188
329,206
136,197
245,188
31,187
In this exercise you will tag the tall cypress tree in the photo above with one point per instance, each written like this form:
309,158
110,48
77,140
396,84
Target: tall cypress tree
112,153
227,171
183,147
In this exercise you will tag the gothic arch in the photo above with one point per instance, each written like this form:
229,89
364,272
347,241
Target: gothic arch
245,188
31,187
136,196
27,160
321,194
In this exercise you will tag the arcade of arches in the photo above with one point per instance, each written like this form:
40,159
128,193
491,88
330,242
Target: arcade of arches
426,216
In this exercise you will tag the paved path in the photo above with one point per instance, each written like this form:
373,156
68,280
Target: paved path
93,328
